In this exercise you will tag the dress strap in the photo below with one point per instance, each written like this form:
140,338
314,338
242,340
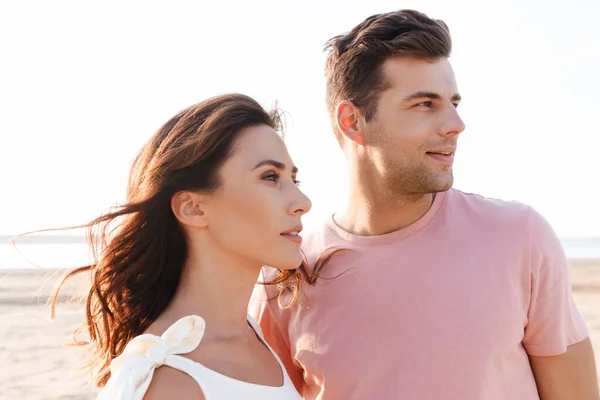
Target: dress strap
132,371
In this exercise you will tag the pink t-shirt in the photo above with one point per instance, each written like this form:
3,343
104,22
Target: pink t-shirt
447,308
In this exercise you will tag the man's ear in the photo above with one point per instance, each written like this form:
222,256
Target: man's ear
350,122
190,208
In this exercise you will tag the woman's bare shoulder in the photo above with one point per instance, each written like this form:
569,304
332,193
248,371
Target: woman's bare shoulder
170,383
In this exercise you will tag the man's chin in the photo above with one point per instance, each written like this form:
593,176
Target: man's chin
446,187
442,184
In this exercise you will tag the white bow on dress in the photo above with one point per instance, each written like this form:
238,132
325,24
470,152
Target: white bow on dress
132,371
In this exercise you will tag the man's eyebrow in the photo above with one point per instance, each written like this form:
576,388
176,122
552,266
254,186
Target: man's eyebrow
277,164
429,95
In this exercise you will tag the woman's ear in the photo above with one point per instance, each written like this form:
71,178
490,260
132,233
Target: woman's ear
190,209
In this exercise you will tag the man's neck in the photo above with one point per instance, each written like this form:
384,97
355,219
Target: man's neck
371,215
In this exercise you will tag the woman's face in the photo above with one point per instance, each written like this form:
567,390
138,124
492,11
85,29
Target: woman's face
256,212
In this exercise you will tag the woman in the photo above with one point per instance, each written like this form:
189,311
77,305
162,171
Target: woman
212,197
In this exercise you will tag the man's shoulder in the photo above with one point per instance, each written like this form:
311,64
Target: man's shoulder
487,208
508,221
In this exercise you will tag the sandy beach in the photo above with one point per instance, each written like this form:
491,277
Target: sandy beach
37,365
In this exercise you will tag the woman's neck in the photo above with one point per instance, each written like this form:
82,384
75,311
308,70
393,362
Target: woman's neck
218,289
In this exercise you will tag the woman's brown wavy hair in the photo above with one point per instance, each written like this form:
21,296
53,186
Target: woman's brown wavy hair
139,248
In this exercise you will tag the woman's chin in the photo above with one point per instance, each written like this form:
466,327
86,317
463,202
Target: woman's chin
288,264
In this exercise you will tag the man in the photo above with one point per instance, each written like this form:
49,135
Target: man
436,294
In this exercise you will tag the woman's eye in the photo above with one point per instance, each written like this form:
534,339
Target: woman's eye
277,177
272,177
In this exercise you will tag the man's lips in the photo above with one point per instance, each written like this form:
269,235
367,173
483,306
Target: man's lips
445,156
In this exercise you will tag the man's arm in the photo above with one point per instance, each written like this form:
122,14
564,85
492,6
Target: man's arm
556,336
568,376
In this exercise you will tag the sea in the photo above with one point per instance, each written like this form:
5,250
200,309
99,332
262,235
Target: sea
49,252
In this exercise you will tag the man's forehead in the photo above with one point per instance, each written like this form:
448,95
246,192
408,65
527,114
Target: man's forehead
412,75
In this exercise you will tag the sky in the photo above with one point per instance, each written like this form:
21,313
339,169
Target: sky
84,84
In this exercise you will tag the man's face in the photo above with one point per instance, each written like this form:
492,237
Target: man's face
411,140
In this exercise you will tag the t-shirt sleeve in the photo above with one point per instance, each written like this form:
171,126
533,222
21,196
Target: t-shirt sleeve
553,319
261,310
